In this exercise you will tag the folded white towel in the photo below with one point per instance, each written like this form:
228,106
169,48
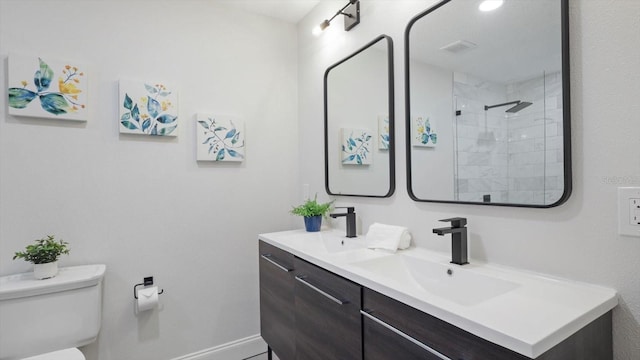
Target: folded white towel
388,237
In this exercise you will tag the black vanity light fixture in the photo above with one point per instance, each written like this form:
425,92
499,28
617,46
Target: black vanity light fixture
351,13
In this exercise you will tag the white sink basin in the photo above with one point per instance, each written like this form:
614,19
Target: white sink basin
335,243
463,285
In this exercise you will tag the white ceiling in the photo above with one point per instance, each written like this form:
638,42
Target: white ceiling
288,10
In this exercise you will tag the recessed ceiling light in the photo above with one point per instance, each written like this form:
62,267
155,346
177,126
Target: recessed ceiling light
489,5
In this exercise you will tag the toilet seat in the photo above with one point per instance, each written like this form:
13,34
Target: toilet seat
67,354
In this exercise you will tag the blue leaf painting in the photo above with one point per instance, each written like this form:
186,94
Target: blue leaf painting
356,145
424,133
221,140
154,113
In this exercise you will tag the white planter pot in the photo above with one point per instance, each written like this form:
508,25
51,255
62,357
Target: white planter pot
45,271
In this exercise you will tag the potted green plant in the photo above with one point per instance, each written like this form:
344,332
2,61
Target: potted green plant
44,255
313,212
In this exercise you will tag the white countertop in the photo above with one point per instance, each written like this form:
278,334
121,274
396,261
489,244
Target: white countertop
539,313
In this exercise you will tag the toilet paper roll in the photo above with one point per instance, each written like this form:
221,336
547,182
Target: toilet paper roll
147,298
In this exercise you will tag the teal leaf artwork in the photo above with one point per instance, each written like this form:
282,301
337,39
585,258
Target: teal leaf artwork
54,103
383,132
220,138
20,98
356,146
128,103
46,88
148,109
424,134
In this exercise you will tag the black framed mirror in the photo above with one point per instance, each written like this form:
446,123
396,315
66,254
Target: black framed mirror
487,103
359,144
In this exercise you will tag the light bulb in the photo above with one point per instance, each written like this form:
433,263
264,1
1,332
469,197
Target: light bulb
490,5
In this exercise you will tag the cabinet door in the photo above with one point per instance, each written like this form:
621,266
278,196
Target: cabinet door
384,343
277,310
422,331
328,321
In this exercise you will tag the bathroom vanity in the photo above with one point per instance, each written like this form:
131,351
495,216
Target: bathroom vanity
325,296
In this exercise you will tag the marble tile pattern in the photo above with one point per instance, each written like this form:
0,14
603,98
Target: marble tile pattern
516,158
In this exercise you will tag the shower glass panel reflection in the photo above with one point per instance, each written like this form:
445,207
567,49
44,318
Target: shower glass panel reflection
508,140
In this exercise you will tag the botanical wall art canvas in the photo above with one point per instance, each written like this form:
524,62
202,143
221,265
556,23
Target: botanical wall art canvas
383,132
356,146
148,108
47,88
220,138
424,133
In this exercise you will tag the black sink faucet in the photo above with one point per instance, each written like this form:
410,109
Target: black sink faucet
458,233
351,220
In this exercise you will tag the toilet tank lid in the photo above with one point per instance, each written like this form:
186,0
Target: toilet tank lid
68,278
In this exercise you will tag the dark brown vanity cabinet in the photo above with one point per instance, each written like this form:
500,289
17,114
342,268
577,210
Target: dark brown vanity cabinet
328,322
307,313
277,306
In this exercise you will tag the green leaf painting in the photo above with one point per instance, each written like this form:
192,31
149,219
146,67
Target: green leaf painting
424,134
356,146
46,88
148,109
220,138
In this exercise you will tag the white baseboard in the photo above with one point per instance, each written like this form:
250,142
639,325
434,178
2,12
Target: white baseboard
234,350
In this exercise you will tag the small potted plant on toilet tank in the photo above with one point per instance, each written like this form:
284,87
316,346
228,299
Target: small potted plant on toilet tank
44,255
313,212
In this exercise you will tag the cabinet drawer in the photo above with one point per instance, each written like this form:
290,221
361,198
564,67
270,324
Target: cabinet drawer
277,309
448,340
328,318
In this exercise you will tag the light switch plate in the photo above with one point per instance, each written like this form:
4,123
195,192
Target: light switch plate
629,211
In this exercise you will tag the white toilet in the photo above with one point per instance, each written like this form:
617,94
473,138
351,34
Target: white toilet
48,319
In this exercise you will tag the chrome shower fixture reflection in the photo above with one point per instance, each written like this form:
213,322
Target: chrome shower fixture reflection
518,105
351,13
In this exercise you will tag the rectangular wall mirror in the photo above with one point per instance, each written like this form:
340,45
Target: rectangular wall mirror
359,122
487,103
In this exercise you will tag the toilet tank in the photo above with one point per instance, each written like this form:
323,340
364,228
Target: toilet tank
38,316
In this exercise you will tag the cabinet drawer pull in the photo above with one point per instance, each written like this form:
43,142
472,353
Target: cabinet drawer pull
403,335
301,278
269,258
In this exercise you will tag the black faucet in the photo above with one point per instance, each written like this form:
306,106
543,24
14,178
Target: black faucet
351,220
458,233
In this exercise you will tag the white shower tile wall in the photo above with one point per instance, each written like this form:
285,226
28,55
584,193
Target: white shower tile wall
535,138
511,157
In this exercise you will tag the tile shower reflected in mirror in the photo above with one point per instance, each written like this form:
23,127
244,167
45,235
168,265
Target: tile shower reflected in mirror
508,151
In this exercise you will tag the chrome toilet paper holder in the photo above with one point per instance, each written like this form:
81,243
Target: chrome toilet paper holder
147,281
